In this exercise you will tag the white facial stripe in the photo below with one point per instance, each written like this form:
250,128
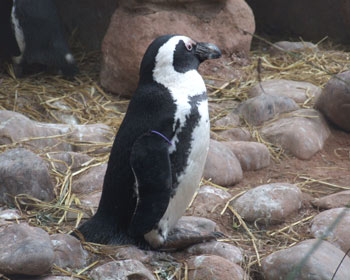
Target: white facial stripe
181,85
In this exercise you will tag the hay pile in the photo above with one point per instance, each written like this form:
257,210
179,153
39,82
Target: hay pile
41,96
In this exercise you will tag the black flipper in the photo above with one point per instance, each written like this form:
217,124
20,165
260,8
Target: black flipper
150,163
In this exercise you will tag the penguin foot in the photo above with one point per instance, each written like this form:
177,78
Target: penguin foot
180,238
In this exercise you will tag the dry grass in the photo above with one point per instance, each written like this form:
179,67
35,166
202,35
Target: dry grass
40,97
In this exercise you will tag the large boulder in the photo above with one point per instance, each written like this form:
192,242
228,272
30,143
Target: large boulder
334,102
135,24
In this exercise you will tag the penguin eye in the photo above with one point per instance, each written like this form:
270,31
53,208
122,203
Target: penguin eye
189,46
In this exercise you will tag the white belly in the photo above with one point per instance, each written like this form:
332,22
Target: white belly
188,181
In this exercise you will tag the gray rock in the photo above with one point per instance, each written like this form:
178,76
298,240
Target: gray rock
282,46
262,108
198,224
298,91
25,250
68,251
90,180
321,265
208,199
303,133
23,172
251,155
8,216
222,166
339,236
232,119
222,249
213,267
339,199
122,270
235,134
334,102
269,204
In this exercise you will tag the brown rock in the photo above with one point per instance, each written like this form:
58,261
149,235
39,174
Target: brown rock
262,108
321,264
303,133
197,224
132,252
68,251
230,120
91,180
339,235
8,216
269,204
282,47
339,199
126,269
208,199
25,250
139,23
298,91
213,268
251,155
235,134
23,172
222,166
334,102
222,249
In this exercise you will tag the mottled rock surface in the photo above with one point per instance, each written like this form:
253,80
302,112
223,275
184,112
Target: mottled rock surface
126,269
23,172
91,180
339,199
321,265
339,235
334,102
296,90
25,250
282,47
269,204
251,155
303,133
213,267
222,166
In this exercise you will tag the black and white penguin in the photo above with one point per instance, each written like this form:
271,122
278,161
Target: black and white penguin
159,152
39,35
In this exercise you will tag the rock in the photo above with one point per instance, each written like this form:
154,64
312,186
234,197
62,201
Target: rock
198,224
334,102
339,199
262,108
8,216
62,160
321,265
222,166
339,235
63,113
50,278
208,199
282,47
303,133
25,250
54,137
298,91
232,119
23,172
222,249
235,134
269,204
213,267
303,19
214,21
118,270
251,155
132,252
91,180
68,251
91,200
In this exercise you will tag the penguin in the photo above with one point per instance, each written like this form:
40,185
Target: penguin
39,35
158,155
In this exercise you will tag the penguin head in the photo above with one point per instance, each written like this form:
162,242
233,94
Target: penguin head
177,53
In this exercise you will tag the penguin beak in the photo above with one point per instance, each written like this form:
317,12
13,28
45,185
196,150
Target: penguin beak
206,51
